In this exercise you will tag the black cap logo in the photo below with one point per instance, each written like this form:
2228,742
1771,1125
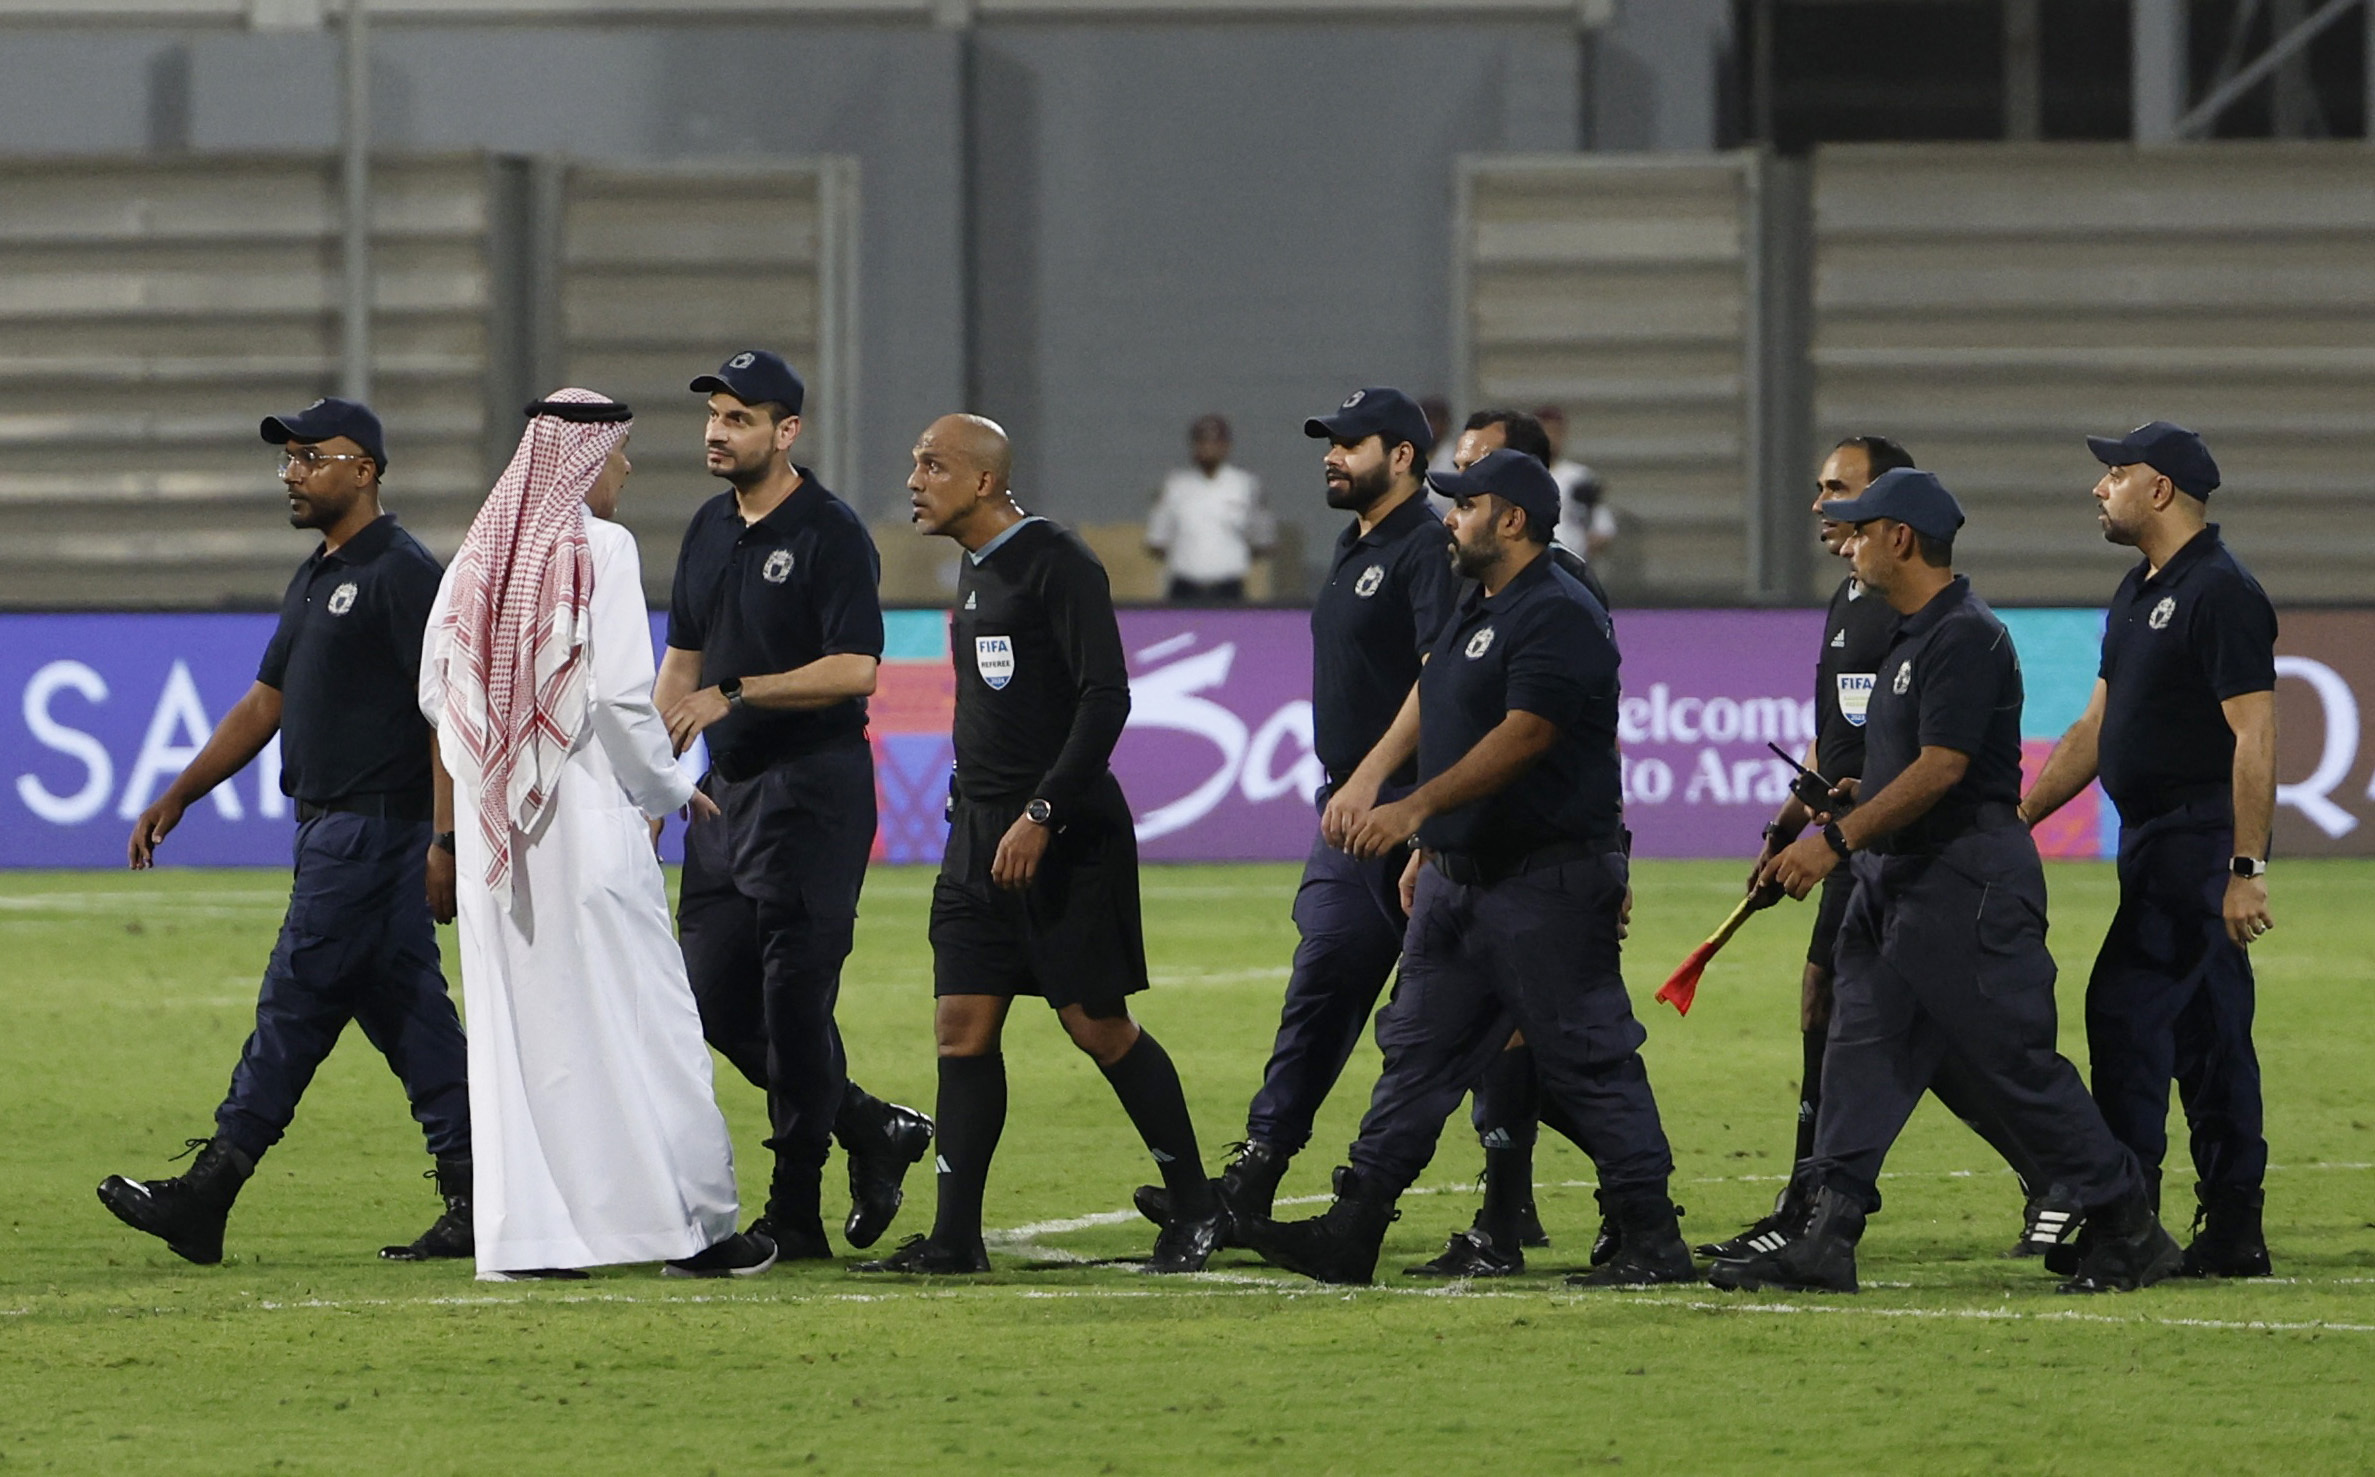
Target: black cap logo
1355,400
742,361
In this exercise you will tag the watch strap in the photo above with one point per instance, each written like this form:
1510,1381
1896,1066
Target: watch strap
1837,839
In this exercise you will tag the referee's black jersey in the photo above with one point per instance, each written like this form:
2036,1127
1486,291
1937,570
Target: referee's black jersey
346,660
2176,645
1387,594
1857,633
773,596
1042,689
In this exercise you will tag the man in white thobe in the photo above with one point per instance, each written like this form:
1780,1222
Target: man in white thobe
600,1137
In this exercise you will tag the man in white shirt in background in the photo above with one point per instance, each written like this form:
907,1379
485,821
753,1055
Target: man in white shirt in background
1586,525
1210,521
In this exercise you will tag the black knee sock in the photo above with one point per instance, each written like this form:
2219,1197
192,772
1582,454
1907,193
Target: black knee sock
972,1114
1812,1039
1508,1104
1148,1086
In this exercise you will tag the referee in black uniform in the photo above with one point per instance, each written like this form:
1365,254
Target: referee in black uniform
339,684
1943,949
774,635
1516,898
1389,588
2182,729
1858,630
1038,888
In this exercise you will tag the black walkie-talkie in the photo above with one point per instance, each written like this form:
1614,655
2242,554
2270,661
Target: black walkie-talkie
1812,790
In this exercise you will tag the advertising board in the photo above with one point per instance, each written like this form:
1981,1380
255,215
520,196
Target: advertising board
103,711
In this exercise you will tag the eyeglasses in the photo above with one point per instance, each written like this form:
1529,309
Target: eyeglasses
311,461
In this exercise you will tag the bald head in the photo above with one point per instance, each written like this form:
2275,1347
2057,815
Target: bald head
959,487
975,441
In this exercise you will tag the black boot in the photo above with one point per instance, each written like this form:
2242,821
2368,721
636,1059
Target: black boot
1247,1189
1649,1244
452,1235
2126,1248
739,1255
1340,1246
921,1256
1787,1219
794,1218
879,1157
2228,1241
187,1212
1820,1258
1471,1253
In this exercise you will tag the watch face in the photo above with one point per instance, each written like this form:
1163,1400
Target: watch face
1039,811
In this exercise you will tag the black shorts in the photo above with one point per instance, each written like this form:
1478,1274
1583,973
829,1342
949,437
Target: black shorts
1072,937
1830,910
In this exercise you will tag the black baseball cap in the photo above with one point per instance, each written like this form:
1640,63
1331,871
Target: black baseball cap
1512,476
326,418
1909,495
2166,447
1376,411
754,377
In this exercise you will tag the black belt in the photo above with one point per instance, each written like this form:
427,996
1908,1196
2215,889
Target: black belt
2135,810
1470,870
738,768
1922,838
383,806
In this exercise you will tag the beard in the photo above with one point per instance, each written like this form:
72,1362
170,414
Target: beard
2114,531
1361,490
1470,561
741,470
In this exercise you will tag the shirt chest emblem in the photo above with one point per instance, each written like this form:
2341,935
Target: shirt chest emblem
1371,579
993,657
1903,682
1480,643
778,567
342,599
1855,695
1839,639
2159,619
972,599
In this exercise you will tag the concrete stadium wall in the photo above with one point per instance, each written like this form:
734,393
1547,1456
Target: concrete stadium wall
1247,216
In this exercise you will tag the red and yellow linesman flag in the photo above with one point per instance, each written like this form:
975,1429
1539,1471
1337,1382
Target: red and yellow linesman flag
1682,986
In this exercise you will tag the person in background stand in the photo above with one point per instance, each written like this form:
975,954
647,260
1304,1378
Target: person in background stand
1210,522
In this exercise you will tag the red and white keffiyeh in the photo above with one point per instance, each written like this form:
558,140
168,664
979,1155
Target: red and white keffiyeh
515,669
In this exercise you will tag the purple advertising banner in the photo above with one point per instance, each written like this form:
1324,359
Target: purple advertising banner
1217,760
102,711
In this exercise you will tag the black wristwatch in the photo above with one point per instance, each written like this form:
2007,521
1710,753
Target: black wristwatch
731,691
443,841
1039,813
1776,834
1838,841
2249,866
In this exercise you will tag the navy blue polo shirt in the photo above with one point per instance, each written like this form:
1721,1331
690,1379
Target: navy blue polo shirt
773,596
1541,646
2176,645
1387,594
346,660
1951,680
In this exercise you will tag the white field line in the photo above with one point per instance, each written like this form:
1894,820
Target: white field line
1218,1285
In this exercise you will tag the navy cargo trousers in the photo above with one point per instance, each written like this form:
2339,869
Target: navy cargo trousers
357,945
1942,958
2172,997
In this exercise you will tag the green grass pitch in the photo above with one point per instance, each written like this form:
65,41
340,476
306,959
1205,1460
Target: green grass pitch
126,999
